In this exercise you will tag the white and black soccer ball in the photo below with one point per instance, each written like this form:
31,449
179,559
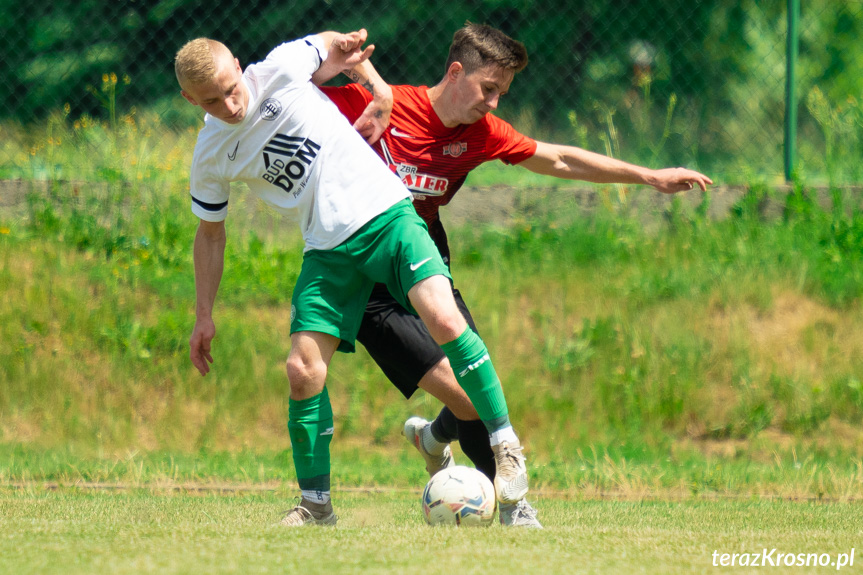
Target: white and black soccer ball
460,496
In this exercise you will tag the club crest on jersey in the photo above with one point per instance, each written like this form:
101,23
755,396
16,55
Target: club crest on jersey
287,160
270,109
455,149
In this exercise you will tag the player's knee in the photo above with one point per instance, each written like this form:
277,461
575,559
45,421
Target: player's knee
305,376
433,300
445,323
448,327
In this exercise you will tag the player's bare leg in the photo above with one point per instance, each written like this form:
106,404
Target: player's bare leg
441,383
435,448
310,424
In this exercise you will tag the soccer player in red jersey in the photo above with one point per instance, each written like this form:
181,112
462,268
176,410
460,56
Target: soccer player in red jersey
435,137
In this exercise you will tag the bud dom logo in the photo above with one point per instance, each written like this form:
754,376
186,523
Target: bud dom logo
287,159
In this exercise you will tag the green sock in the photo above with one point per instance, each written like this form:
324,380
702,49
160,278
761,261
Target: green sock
471,363
310,425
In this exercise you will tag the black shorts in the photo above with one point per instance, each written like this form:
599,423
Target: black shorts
399,342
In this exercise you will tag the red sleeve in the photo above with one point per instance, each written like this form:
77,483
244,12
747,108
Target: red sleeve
351,100
507,144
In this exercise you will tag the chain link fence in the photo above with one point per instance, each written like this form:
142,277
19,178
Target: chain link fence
698,82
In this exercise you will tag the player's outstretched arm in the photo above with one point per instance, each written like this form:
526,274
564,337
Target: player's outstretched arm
344,49
376,117
344,52
209,257
574,163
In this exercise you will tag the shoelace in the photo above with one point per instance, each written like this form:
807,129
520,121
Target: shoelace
296,504
510,460
302,511
524,510
299,510
297,501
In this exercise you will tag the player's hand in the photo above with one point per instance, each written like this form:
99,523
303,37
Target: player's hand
674,180
348,50
376,117
199,345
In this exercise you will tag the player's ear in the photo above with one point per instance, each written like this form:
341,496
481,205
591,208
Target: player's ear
454,72
189,98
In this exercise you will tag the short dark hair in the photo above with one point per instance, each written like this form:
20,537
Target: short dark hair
478,45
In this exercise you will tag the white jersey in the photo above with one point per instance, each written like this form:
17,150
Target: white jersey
295,151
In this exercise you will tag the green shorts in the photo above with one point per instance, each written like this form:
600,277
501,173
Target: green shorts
334,285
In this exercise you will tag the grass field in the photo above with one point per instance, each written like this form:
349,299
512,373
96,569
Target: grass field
80,532
757,392
653,443
685,375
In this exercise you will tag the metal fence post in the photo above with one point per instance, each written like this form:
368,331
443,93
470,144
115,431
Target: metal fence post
792,48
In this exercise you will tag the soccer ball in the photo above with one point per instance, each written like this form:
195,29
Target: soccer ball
460,496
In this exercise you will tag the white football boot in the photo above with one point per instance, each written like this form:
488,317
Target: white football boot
415,429
510,479
309,513
520,514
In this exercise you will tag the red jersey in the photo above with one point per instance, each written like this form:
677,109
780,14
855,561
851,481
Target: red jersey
432,160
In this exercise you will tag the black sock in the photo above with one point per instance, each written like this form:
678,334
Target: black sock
474,441
445,426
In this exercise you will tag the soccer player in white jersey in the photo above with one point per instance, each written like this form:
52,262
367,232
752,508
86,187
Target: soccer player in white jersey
271,128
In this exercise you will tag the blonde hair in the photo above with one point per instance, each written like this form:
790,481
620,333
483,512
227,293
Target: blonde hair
195,62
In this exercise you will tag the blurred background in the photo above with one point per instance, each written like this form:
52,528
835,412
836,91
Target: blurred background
645,345
679,82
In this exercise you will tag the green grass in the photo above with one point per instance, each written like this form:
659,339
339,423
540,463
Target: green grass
80,531
644,348
641,353
677,379
757,467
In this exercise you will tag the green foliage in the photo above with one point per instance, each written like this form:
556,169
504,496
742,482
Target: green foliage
660,84
261,272
842,129
616,314
636,380
134,147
